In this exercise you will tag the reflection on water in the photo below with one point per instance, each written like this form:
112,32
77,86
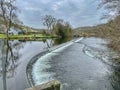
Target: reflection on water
9,57
12,52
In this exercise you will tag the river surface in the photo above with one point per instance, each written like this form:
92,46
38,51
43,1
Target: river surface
79,65
14,57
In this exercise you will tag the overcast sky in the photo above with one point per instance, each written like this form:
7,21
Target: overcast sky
77,12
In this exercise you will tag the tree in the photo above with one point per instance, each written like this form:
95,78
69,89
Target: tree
63,29
9,59
49,21
112,5
8,14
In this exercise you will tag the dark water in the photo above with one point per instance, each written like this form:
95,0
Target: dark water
14,57
77,67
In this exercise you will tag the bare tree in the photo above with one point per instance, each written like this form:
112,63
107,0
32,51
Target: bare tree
9,59
111,5
49,21
8,14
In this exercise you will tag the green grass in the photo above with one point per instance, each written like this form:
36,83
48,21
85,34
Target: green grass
30,36
2,36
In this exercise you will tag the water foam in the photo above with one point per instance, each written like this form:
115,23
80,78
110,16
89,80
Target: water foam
39,74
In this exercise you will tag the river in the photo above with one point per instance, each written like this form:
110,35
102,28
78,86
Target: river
82,64
18,54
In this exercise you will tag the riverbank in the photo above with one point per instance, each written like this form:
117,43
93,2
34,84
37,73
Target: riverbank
28,36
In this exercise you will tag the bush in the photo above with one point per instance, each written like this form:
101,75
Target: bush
63,30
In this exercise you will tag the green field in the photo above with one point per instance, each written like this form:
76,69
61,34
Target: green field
26,37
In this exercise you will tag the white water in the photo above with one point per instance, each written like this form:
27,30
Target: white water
42,63
78,65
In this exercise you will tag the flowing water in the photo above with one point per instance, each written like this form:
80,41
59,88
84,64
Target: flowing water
79,65
82,64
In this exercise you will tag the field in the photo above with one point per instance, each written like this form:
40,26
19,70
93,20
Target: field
26,37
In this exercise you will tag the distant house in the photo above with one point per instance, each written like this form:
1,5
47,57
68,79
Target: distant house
16,31
13,32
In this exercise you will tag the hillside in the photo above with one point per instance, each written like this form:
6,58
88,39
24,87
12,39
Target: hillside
24,28
111,31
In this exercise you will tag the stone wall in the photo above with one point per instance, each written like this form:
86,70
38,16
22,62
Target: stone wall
52,85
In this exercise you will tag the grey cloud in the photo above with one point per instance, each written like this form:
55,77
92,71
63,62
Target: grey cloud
77,12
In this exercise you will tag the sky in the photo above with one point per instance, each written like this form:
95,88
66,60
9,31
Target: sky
78,13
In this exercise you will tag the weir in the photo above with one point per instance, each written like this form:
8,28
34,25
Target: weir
54,84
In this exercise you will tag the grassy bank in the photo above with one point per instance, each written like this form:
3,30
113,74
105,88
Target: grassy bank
25,37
